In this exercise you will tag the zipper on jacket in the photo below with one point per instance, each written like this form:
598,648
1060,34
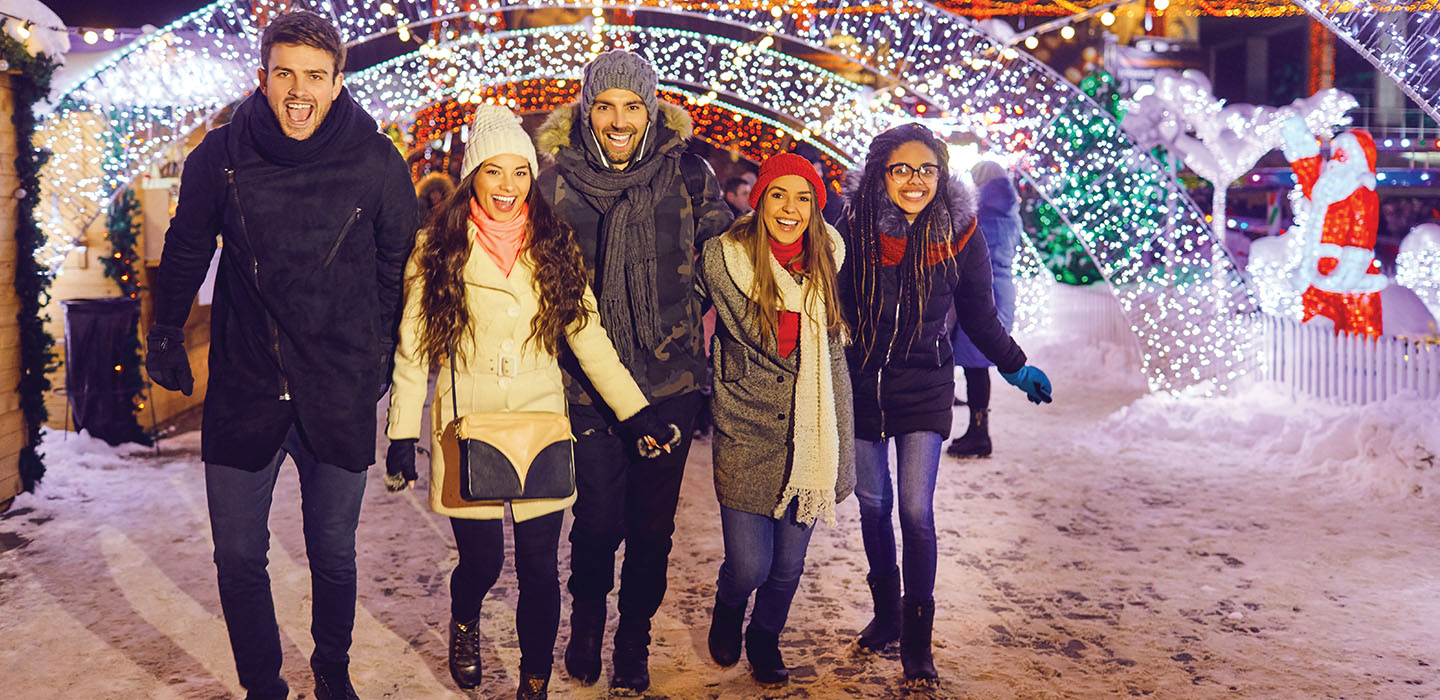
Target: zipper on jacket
344,231
880,378
255,274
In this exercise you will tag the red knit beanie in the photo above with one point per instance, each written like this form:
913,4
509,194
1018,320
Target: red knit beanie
786,164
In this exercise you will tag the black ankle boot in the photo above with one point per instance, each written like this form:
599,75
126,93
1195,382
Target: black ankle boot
630,664
582,654
726,625
533,686
333,682
915,643
884,628
976,440
763,651
465,652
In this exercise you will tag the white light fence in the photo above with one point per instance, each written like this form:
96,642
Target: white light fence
1347,368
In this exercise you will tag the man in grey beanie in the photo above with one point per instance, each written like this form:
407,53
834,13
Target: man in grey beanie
641,206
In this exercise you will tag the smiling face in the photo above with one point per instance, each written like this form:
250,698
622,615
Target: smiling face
911,175
785,208
501,185
300,83
619,118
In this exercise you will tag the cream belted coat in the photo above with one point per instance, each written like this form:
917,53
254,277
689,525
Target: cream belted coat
498,371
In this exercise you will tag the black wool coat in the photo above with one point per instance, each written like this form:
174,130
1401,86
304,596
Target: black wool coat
906,382
316,234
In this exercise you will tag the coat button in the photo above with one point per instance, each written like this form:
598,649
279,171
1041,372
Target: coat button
514,311
779,416
780,378
508,345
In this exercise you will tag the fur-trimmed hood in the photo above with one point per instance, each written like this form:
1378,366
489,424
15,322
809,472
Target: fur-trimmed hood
962,205
554,133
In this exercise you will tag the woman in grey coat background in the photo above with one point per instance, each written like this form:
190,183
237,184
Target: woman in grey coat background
783,448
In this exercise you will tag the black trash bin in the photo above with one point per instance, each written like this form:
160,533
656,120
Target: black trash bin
98,333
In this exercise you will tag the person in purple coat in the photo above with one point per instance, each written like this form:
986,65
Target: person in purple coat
915,252
999,221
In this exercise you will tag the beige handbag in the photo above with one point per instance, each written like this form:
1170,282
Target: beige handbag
513,455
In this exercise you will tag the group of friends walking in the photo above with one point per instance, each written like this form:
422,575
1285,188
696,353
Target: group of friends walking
571,285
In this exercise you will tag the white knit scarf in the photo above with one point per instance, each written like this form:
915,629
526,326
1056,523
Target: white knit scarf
816,441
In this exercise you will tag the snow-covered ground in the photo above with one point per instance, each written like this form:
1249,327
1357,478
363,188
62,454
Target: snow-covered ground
1116,545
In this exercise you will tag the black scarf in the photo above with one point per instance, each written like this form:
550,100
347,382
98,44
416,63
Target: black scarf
340,126
626,199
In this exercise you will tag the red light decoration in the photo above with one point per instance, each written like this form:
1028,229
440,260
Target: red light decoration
751,138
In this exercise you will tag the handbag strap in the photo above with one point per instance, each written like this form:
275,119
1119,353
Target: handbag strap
454,401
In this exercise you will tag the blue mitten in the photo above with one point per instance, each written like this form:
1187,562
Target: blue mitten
1032,381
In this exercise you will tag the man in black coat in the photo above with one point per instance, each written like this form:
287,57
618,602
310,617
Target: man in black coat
641,206
318,218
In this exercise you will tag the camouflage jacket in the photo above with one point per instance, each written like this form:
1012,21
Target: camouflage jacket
682,224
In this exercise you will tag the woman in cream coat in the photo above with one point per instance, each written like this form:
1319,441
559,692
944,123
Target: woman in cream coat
472,284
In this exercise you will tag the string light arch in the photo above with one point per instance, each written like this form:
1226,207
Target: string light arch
1184,298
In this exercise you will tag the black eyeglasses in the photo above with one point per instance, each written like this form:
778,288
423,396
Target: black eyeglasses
901,172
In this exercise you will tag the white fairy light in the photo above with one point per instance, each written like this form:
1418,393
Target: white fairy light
1192,314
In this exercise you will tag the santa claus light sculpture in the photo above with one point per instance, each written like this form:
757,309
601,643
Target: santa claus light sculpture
1341,277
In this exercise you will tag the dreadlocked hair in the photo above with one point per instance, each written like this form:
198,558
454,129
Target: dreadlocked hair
932,227
559,281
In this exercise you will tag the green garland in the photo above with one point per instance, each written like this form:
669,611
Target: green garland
123,230
31,83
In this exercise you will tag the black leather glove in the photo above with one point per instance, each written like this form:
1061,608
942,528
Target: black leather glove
400,465
651,434
166,360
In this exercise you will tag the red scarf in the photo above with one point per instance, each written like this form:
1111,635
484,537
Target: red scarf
787,334
501,240
892,250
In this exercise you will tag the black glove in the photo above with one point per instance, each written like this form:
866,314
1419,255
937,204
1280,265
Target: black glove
651,434
400,465
166,360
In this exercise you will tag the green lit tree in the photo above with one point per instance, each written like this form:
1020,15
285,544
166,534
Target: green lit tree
1056,244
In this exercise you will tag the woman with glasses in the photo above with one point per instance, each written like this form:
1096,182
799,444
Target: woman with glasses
915,252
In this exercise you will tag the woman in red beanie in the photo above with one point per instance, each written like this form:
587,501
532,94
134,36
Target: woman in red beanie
783,448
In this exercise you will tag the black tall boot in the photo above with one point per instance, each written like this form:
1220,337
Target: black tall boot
884,628
726,625
915,643
465,652
976,440
587,632
763,650
630,663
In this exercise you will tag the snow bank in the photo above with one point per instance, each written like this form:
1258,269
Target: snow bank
1385,450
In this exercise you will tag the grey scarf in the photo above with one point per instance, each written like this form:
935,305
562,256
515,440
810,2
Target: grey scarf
625,269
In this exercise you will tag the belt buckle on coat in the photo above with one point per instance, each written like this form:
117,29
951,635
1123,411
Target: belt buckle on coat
508,365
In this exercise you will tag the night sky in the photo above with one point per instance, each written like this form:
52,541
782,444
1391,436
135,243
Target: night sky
113,13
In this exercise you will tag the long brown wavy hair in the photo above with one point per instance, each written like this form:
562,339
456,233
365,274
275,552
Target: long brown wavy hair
817,260
559,280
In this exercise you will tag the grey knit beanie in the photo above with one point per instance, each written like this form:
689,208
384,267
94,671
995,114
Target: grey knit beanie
621,69
987,170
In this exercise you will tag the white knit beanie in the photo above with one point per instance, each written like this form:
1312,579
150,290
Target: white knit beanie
495,130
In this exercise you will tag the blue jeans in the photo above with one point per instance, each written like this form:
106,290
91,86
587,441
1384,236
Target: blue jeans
766,554
917,457
239,521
